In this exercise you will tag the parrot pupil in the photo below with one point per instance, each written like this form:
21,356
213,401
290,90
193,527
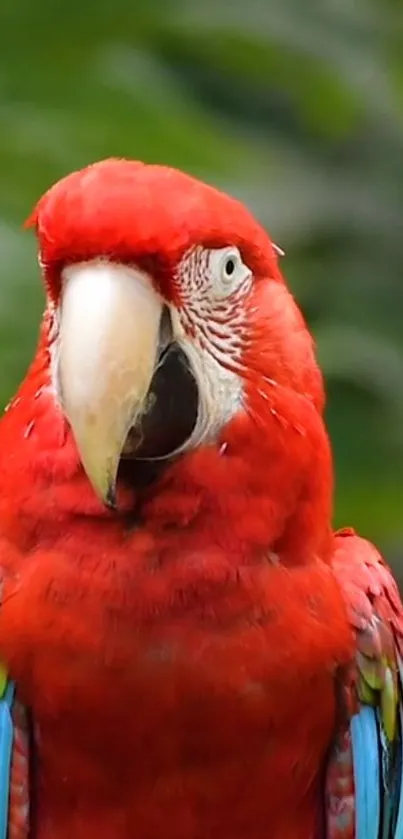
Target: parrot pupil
229,267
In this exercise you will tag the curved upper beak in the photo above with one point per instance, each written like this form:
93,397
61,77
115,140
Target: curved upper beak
108,346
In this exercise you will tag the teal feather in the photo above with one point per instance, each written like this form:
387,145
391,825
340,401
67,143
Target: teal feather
6,745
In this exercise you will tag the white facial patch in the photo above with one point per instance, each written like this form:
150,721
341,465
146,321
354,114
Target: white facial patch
209,327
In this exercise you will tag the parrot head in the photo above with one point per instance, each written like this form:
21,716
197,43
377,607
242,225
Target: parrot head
170,317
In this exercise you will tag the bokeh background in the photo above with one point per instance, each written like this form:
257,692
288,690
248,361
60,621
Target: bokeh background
296,107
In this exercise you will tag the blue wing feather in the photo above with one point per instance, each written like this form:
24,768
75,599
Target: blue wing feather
365,748
398,834
6,745
378,768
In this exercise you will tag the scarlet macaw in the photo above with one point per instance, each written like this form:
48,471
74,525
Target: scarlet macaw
196,654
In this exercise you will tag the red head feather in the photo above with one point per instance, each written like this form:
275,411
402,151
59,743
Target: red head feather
148,214
151,215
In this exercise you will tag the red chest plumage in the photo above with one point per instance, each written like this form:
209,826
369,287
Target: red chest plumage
173,689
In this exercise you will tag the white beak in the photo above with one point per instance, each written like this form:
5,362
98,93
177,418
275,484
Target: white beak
109,329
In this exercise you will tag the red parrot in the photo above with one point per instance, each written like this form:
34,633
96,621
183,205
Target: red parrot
190,651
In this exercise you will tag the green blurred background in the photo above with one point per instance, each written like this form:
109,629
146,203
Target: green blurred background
296,107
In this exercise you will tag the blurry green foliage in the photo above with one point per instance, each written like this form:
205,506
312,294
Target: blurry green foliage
294,106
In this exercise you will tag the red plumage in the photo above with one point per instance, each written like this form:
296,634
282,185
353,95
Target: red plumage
181,665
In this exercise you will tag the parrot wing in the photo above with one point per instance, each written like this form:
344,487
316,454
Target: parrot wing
14,763
364,785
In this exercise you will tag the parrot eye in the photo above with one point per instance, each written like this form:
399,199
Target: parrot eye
228,271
